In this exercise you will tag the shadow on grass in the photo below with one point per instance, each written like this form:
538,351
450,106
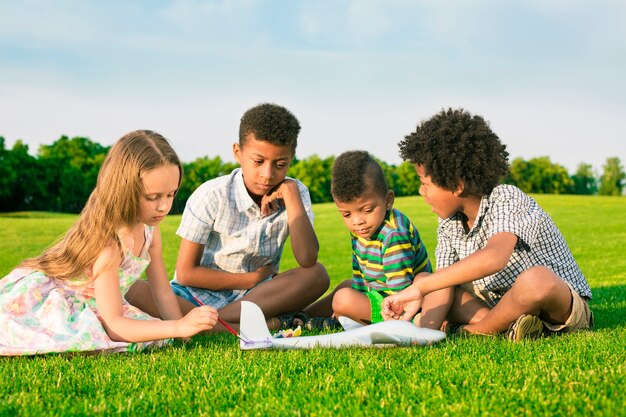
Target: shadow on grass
608,306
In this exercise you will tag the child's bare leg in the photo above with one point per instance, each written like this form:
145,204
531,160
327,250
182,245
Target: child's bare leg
351,303
288,291
324,306
140,295
537,291
435,308
466,308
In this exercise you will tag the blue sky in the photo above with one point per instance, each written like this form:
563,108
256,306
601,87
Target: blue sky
359,74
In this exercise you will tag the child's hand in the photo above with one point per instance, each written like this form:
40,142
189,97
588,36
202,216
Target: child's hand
273,200
197,320
403,305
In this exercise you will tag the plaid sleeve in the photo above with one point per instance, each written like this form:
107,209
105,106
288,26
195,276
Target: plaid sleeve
198,217
515,212
445,254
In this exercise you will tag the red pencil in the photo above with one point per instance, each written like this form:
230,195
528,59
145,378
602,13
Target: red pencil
230,329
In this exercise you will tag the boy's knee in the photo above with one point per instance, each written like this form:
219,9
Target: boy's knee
538,283
321,275
342,300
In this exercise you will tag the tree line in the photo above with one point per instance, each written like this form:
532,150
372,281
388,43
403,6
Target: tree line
61,176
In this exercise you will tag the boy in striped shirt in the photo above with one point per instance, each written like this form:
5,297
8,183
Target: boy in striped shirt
387,252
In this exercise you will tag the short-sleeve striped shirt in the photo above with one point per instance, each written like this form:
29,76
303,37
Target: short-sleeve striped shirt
390,258
540,243
221,215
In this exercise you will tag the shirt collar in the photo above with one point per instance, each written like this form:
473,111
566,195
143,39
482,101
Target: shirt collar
242,197
454,223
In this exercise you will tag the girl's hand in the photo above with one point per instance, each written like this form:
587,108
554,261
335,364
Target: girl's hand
197,320
403,305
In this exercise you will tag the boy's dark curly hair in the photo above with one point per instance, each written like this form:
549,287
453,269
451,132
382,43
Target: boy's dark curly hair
453,147
353,172
271,123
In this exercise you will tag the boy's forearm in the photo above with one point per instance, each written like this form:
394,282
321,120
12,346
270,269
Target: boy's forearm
480,264
211,279
304,241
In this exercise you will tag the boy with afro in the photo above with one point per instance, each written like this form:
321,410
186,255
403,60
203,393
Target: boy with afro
387,252
504,262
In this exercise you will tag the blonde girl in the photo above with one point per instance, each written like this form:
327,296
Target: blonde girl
71,297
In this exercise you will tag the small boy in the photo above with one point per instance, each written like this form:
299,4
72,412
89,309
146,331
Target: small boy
234,228
502,257
387,252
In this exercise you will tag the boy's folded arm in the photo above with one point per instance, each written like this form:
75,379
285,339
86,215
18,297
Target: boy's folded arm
482,263
304,243
189,271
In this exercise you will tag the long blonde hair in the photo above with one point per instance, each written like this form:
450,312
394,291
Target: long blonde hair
113,205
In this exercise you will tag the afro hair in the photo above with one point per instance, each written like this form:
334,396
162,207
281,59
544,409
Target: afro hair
456,147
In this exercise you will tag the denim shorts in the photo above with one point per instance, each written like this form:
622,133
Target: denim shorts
213,298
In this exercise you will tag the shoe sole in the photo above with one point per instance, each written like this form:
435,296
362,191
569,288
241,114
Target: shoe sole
526,327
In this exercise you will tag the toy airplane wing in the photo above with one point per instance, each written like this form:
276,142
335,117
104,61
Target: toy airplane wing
348,324
255,334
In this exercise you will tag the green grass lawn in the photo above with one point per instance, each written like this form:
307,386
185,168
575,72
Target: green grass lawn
579,374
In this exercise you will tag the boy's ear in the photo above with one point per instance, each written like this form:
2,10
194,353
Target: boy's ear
389,198
237,152
459,191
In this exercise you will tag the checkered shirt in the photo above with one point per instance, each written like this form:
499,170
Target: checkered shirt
222,216
509,209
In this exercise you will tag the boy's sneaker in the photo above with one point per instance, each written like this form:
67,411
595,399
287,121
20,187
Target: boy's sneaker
323,323
455,329
525,327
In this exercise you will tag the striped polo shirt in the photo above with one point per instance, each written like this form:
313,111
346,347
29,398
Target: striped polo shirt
390,258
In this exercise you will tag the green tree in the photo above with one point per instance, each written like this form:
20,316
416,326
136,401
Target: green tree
71,166
540,175
198,172
407,182
584,182
23,184
7,174
315,173
519,175
612,179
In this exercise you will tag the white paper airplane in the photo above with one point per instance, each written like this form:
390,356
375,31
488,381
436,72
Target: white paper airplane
255,334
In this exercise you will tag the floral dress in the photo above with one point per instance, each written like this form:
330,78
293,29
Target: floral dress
39,314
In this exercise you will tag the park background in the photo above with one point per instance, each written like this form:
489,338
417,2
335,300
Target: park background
359,74
578,374
61,176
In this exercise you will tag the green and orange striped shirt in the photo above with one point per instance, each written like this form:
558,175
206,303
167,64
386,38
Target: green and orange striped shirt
389,260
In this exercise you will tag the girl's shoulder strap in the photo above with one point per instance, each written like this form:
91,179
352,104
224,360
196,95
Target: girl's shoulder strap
148,233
